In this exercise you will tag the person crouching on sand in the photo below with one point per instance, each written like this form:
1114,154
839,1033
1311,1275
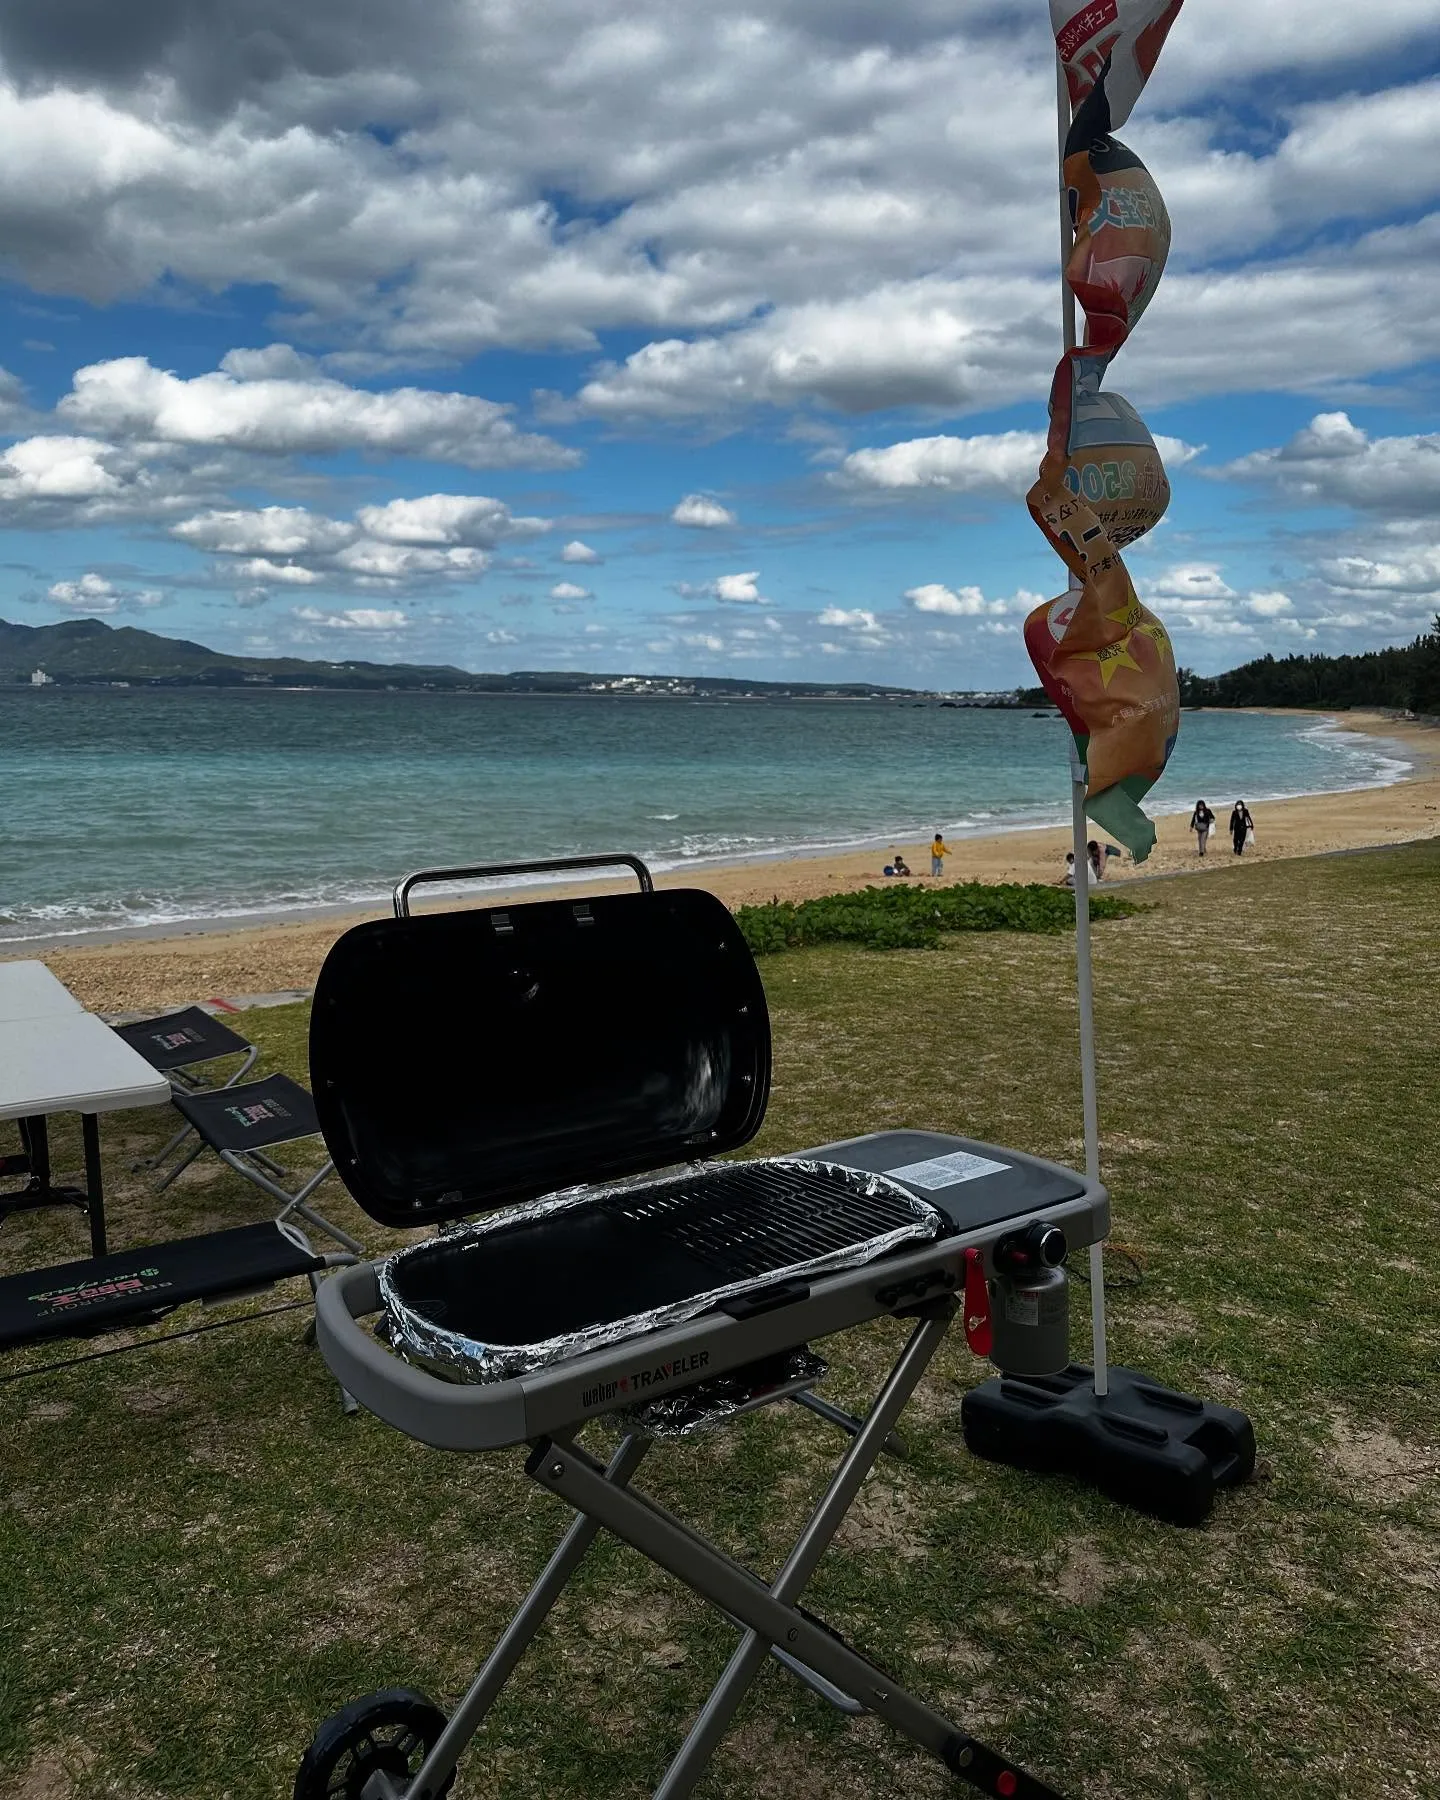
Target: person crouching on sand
1241,825
1202,823
901,866
939,850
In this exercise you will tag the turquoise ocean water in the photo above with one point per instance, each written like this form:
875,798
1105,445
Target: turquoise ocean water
141,807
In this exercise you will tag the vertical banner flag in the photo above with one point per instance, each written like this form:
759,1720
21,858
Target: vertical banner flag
1105,659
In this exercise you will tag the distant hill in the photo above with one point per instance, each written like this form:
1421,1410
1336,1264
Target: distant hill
89,650
89,653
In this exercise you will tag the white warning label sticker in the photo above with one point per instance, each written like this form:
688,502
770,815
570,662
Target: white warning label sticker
947,1171
1022,1306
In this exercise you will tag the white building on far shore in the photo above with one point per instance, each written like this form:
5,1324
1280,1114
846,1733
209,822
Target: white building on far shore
39,678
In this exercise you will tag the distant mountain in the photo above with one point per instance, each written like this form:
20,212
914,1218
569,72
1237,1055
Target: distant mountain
90,653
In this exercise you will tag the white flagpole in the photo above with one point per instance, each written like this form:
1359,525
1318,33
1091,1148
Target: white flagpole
1084,979
1067,235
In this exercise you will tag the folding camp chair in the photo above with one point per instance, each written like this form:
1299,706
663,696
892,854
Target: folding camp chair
128,1289
175,1043
240,1123
133,1288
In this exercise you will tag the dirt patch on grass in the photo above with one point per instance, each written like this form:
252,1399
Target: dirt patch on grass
1414,1558
777,1768
370,1600
958,1656
1160,1322
154,1399
886,1518
1085,1574
60,1773
1374,1465
647,1621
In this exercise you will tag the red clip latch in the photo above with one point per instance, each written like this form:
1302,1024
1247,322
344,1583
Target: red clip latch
977,1304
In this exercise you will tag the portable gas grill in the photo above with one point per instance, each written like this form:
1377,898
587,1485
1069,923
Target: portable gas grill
536,1065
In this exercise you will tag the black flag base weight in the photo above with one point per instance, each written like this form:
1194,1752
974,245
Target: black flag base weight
1151,1447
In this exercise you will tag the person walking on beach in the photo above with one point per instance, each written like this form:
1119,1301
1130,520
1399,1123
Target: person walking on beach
1241,827
939,850
1202,823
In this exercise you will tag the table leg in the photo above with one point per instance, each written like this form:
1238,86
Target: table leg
33,1162
18,1163
94,1183
36,1135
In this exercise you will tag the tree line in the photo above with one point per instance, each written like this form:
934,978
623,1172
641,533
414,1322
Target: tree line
1406,679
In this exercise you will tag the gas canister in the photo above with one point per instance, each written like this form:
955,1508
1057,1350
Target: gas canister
1030,1306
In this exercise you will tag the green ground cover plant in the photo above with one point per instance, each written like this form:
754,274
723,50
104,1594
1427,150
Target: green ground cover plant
200,1557
915,918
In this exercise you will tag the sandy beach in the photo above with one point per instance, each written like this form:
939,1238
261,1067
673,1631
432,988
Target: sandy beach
153,972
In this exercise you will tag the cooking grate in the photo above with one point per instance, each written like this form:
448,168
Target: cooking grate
754,1218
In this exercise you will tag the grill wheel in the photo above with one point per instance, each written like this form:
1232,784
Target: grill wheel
389,1734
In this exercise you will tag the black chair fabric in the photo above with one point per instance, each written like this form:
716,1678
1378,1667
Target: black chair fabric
180,1038
252,1116
132,1287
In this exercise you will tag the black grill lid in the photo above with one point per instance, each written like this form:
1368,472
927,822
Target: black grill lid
466,1061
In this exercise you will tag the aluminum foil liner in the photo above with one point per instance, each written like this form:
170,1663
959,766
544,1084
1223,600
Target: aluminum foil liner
463,1358
716,1402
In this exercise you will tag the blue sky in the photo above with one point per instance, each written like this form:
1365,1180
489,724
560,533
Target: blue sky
626,336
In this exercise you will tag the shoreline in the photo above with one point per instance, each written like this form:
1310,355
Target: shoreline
171,964
1419,736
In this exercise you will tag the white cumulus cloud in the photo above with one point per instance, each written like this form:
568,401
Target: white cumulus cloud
95,594
374,561
1004,462
700,511
739,590
436,538
1332,462
354,618
1270,605
927,342
262,569
955,603
56,468
447,519
569,590
1403,571
264,531
128,397
89,594
576,552
855,618
1191,581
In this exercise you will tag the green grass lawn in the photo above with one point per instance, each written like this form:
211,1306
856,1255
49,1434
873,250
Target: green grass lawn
200,1557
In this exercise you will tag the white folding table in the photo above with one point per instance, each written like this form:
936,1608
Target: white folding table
29,991
57,1058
